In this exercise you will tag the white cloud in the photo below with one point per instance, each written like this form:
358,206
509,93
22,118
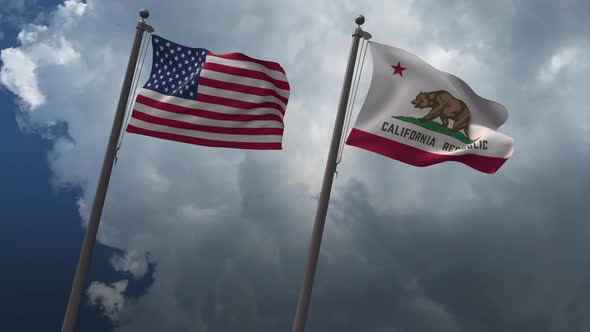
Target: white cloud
548,71
72,8
30,34
109,299
18,75
564,58
132,262
39,49
433,309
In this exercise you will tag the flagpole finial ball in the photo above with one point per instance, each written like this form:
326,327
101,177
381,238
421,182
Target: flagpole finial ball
360,20
144,13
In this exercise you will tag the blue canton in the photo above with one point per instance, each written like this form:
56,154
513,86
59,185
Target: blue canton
175,68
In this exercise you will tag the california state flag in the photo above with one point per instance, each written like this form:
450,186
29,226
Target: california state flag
419,115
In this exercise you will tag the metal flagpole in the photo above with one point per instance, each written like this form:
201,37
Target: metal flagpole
320,218
83,267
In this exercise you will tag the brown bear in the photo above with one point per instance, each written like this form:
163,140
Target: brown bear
446,107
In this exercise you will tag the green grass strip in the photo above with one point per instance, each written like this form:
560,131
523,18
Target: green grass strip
436,127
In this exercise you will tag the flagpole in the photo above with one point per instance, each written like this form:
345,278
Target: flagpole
83,267
320,218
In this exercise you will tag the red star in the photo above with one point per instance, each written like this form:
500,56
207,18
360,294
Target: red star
398,69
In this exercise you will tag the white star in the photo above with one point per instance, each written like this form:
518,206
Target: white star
149,84
161,48
174,70
175,58
183,72
192,58
186,62
179,82
171,51
167,44
193,83
156,40
174,86
155,81
157,86
192,94
170,62
157,53
167,73
161,76
177,75
182,55
165,67
162,60
170,79
154,76
166,89
159,71
156,65
178,48
179,65
166,55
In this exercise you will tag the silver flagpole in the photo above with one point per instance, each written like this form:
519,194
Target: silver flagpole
83,267
320,217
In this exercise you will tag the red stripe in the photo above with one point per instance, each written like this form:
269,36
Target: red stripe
416,157
241,88
237,103
204,113
245,73
210,129
204,142
243,57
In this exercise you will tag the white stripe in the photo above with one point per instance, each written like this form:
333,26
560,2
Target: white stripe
204,121
207,106
239,96
277,75
244,81
206,135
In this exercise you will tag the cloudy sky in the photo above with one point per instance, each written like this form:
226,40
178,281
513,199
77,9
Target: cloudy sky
201,239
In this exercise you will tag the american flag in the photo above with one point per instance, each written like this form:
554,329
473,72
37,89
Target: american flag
219,100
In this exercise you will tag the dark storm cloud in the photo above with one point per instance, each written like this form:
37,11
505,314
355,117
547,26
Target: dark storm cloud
514,260
238,274
512,30
519,38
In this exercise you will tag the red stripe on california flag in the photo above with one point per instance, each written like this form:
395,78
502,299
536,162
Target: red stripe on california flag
210,129
242,57
205,113
245,73
241,88
237,103
416,157
205,142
